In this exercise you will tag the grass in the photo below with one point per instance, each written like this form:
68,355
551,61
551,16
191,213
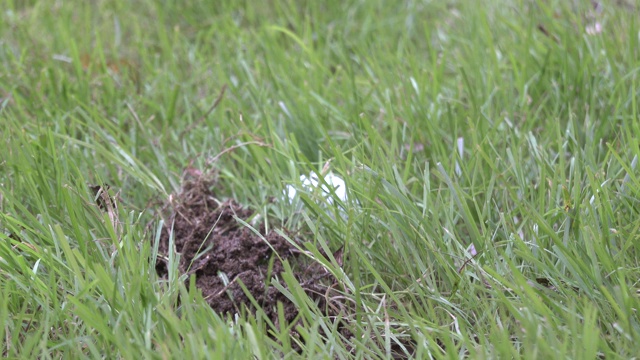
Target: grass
546,188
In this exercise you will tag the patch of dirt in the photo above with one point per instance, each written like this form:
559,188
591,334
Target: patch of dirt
220,251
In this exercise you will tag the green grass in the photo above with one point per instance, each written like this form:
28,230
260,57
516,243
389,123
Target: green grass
547,189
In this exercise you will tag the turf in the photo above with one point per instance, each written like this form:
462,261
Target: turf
489,153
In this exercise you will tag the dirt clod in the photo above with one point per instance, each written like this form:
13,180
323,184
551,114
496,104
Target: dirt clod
220,251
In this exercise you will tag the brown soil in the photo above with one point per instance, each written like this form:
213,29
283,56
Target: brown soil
220,252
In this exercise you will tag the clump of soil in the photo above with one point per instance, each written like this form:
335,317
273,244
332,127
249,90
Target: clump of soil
221,252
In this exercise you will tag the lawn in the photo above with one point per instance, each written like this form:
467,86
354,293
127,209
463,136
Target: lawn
404,179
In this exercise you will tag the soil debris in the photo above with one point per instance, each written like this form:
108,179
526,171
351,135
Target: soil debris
220,251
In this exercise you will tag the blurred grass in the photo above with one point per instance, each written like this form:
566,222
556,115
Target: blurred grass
546,188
